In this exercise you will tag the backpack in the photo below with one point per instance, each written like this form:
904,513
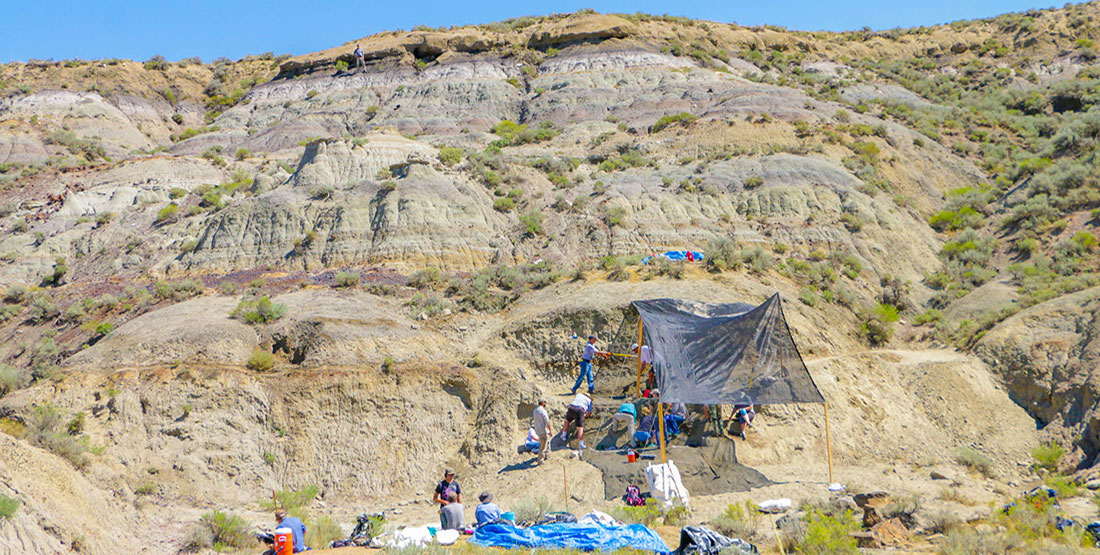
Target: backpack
634,496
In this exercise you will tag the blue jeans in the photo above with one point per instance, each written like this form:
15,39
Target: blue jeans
672,424
586,371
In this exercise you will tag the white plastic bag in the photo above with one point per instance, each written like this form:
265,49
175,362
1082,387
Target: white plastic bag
410,536
665,485
598,517
773,506
446,537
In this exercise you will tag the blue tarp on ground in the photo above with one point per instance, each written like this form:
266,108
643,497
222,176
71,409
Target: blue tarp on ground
690,256
586,537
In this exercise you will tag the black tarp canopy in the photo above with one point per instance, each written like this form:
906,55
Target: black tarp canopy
725,354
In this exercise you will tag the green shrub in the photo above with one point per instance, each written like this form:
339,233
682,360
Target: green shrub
450,156
228,530
46,428
260,360
347,279
615,215
722,254
322,531
1048,455
974,461
8,506
173,193
12,378
424,279
341,66
42,309
15,294
753,182
829,534
387,364
1064,486
808,296
503,204
178,290
189,246
242,153
104,328
531,510
290,500
168,213
532,221
929,316
665,121
259,311
147,488
157,63
738,521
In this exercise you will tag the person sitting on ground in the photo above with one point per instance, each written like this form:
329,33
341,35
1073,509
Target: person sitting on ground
578,410
675,414
627,414
442,492
540,423
359,62
745,415
450,515
487,512
590,351
297,529
644,433
531,444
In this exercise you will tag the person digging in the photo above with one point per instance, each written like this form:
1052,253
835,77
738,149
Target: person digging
590,351
578,410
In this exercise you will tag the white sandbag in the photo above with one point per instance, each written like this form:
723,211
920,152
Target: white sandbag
665,485
835,487
773,506
410,536
446,537
598,517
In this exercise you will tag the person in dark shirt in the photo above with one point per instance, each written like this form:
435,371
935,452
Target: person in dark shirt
442,491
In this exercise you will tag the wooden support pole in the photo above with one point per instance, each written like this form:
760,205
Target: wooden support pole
564,483
638,382
661,424
829,443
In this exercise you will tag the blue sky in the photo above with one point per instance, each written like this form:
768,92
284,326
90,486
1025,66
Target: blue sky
179,29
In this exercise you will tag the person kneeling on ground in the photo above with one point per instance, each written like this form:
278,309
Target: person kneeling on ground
579,409
442,492
451,514
487,512
297,529
627,414
675,415
644,435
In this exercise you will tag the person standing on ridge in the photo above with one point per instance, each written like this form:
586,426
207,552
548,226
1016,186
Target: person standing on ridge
590,351
359,62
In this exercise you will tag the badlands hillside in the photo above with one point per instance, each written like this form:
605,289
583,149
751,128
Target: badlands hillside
222,279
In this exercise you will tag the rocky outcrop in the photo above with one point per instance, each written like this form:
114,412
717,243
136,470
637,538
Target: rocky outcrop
1049,357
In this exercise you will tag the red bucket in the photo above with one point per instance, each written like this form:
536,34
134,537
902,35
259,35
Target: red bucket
631,457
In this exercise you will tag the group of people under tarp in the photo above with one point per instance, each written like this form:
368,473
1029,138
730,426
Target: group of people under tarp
642,430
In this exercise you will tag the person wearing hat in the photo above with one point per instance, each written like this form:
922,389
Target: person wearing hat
540,423
443,492
590,351
487,512
578,410
647,354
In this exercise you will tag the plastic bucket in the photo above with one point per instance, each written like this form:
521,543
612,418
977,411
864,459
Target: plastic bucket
631,457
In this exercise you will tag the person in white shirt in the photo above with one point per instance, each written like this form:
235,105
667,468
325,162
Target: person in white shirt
579,409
